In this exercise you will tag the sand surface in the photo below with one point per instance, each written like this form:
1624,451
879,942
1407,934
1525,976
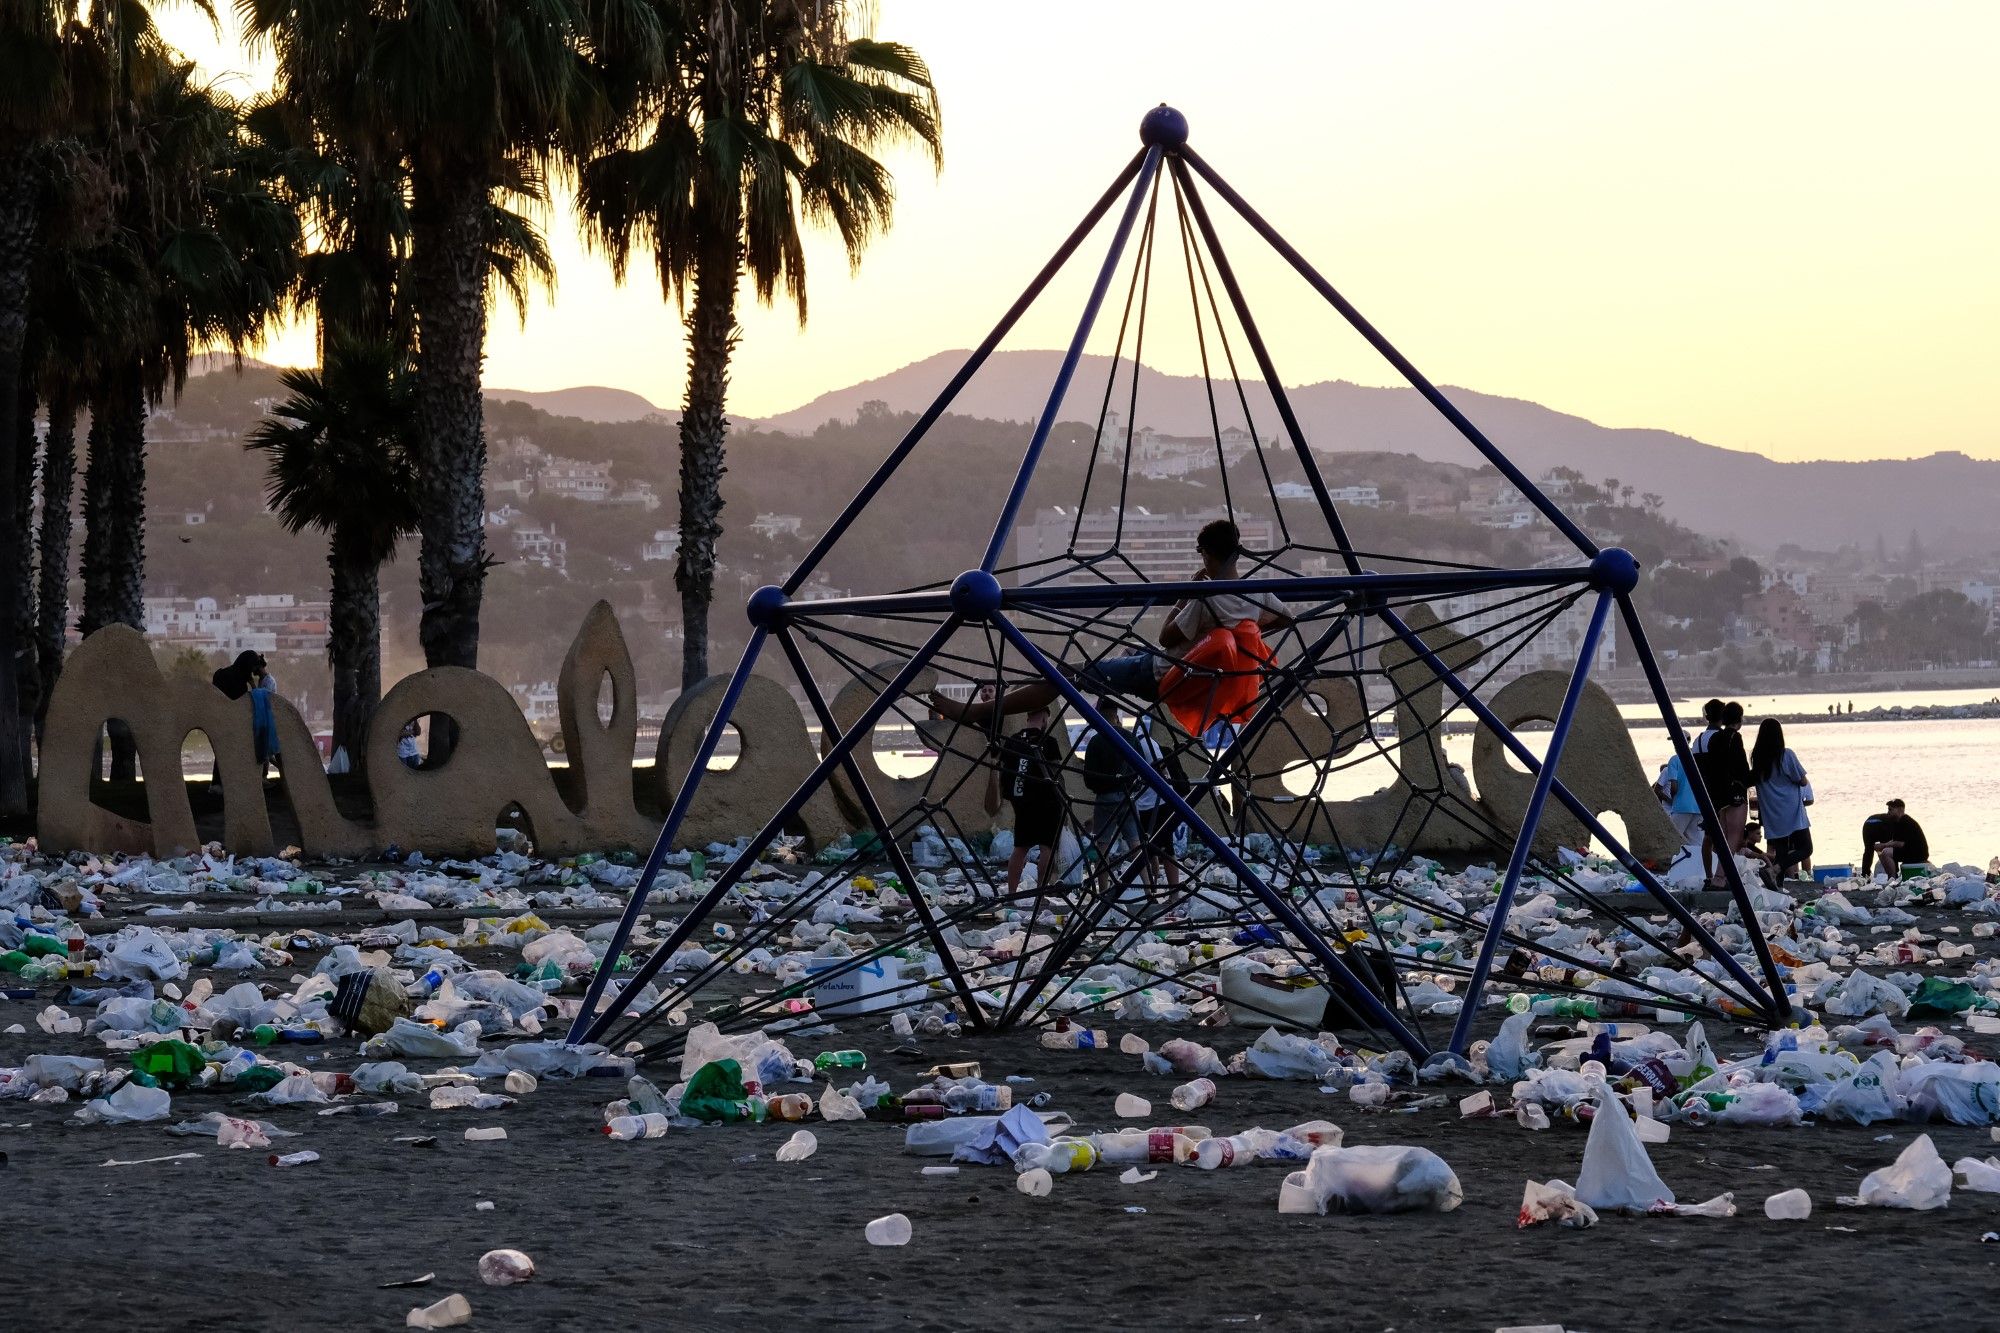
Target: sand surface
704,1230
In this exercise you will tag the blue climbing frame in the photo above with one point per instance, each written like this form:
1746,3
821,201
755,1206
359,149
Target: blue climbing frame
977,598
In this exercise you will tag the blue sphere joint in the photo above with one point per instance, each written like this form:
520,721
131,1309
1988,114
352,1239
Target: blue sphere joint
1614,570
1163,127
975,595
766,606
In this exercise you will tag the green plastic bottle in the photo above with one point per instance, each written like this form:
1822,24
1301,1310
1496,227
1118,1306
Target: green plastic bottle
826,1060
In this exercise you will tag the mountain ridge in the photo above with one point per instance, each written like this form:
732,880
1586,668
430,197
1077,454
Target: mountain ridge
1729,493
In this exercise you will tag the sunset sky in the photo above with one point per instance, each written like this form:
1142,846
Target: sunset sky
1768,226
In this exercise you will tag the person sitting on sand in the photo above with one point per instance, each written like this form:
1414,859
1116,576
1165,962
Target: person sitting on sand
1749,848
1892,841
1137,676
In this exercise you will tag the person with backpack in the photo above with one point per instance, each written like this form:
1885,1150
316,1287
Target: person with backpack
1114,821
1156,817
1026,770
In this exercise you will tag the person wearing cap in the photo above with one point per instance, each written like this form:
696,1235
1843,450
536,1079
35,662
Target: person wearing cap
1893,840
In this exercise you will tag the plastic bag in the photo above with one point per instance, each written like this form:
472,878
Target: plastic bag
1864,1096
1508,1057
141,955
1761,1104
1194,1059
1284,1055
1858,994
1956,1094
408,1037
1938,998
540,1058
1977,1176
1617,1176
132,1103
1381,1179
1918,1180
716,1093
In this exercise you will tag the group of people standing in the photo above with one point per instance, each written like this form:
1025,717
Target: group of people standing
1730,773
1781,841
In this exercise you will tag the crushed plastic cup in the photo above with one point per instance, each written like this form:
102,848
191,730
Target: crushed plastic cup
488,1134
1036,1184
519,1082
1477,1106
1134,1044
1130,1107
450,1312
1790,1206
891,1230
1295,1197
800,1146
505,1268
1132,1175
1530,1115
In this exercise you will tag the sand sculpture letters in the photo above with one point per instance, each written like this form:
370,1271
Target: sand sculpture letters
451,810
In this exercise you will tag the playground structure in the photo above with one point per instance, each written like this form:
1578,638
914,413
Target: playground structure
1245,863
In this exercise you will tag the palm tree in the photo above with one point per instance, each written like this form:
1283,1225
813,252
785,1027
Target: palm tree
340,462
44,58
768,118
216,248
474,97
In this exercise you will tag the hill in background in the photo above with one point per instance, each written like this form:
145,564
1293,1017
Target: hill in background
1724,493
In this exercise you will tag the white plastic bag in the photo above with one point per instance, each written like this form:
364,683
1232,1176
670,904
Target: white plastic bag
141,954
1966,1094
1508,1057
1617,1176
410,1038
1977,1176
1864,1096
1381,1178
1858,994
1918,1180
132,1103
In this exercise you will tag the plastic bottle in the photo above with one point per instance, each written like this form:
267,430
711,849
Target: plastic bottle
1150,1146
651,1125
294,1158
891,1230
984,1098
1058,1156
788,1106
1076,1039
1194,1094
826,1060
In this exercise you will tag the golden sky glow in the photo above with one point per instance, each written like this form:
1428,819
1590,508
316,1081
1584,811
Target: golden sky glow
1770,226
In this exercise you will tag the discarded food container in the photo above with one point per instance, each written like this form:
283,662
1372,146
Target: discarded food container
865,989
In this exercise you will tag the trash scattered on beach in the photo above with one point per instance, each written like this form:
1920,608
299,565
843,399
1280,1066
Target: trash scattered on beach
891,1230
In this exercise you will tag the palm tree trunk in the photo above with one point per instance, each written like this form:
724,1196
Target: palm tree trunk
114,526
448,290
704,429
17,236
28,682
354,646
52,541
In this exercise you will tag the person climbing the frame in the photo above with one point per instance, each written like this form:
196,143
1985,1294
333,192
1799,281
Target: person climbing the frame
1183,672
1026,772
